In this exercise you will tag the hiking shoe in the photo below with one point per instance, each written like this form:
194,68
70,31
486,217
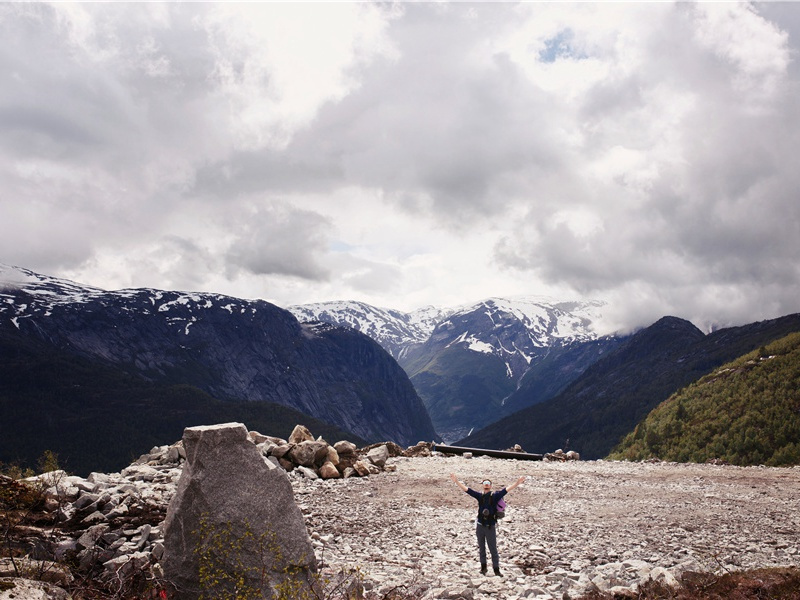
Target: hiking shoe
498,573
483,569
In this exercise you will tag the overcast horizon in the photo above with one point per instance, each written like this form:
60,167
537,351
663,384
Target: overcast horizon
407,155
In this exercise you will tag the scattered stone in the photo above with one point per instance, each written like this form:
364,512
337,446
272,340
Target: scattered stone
329,471
28,589
378,456
571,527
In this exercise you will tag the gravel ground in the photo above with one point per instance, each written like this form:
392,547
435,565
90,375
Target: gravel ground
569,526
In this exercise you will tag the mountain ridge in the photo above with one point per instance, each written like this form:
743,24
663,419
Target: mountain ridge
464,361
617,391
744,412
233,349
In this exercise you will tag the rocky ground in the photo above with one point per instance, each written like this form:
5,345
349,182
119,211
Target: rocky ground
570,525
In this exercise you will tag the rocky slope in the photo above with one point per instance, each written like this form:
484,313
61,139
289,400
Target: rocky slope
235,350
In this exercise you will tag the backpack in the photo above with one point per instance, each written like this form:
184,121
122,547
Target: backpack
501,509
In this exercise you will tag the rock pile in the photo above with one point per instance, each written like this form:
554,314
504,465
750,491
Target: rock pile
315,458
561,456
110,525
557,456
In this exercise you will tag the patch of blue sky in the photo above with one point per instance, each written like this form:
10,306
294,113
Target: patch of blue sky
559,46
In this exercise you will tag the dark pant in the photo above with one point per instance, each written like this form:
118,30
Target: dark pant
487,536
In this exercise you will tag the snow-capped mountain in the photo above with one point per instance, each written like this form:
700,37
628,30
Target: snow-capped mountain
233,349
513,329
465,360
518,329
392,329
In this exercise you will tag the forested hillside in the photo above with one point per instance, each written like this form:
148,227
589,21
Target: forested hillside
746,412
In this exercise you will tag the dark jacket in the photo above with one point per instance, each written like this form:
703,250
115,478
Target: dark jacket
489,502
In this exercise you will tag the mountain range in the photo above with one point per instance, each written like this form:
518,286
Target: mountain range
98,375
228,349
615,393
466,361
533,371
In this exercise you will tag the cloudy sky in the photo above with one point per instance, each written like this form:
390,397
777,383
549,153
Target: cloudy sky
410,154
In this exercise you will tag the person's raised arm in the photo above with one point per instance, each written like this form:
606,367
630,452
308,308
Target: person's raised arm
457,482
516,483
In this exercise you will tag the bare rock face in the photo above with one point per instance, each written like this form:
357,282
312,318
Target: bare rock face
233,513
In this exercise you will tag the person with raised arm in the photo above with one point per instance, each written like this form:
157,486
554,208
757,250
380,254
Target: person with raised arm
486,523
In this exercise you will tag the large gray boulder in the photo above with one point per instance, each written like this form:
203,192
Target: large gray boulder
233,514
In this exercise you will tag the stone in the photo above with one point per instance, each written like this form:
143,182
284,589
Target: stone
378,456
28,589
662,575
329,471
158,550
421,449
361,468
85,500
308,453
122,567
345,447
173,454
333,456
307,472
348,454
299,434
91,535
95,517
227,491
141,540
265,448
257,438
274,461
280,450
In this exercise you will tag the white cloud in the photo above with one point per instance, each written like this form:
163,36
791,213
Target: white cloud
754,47
277,64
409,154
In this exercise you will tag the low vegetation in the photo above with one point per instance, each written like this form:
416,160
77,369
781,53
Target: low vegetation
757,584
746,412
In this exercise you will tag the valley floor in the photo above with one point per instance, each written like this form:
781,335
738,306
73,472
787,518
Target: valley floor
570,525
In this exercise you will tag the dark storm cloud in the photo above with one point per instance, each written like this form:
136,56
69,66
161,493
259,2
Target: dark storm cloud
279,240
